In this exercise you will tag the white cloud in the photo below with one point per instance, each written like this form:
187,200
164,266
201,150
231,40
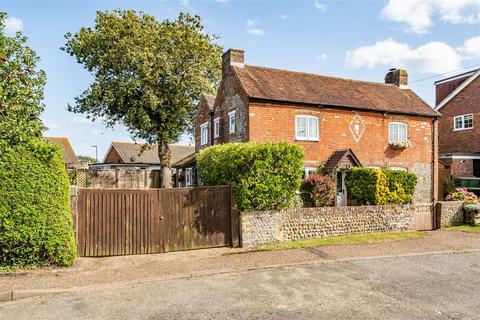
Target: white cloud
322,56
51,125
284,16
417,14
253,29
222,1
471,48
320,6
13,24
256,32
432,57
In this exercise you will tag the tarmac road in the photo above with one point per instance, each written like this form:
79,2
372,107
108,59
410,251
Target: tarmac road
441,286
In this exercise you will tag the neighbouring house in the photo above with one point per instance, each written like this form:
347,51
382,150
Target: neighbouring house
458,100
185,169
71,159
126,166
339,122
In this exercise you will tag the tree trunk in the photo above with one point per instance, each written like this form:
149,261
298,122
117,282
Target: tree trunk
165,156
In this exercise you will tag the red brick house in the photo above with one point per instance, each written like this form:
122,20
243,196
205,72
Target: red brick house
339,122
458,100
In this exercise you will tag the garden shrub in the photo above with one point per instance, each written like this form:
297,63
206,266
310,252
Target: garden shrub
318,190
380,186
263,176
35,220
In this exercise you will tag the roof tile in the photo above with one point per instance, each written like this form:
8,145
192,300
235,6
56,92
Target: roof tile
298,87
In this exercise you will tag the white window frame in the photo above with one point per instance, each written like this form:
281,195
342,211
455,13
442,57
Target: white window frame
309,170
204,137
216,127
398,168
462,117
309,137
390,132
231,116
188,177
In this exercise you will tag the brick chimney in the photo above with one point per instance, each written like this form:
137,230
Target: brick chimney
233,57
398,77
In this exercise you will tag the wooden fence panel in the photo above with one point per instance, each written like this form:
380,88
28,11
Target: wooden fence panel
123,221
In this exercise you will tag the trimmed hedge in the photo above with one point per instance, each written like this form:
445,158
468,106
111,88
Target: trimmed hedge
35,220
380,186
264,176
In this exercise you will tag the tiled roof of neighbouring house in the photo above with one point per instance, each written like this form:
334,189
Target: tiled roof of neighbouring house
130,152
68,154
298,87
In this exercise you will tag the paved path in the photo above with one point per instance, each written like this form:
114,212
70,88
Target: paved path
416,287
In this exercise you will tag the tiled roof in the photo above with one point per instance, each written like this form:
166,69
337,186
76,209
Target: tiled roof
209,99
187,161
130,152
337,157
68,154
298,87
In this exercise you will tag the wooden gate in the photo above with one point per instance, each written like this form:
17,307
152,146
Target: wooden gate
424,217
124,221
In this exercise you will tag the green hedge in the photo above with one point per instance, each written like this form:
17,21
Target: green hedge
380,186
35,220
264,176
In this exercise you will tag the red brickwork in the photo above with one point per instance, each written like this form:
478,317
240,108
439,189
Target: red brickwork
113,157
465,102
462,168
274,122
443,89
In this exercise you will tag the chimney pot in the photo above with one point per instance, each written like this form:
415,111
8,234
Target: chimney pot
398,77
233,57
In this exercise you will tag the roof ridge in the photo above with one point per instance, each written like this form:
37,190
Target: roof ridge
324,76
140,143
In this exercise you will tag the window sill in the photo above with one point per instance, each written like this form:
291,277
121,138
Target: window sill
311,140
462,129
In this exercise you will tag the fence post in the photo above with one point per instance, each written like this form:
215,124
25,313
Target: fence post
73,209
235,222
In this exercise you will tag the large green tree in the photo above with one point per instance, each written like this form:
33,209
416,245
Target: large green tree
148,74
21,89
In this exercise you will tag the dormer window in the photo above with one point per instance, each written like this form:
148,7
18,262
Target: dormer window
216,127
231,122
204,134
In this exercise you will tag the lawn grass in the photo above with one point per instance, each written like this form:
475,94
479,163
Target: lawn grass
464,227
350,239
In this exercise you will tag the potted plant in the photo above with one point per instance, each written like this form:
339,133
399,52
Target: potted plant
400,145
471,205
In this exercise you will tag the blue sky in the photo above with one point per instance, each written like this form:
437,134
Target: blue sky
349,38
